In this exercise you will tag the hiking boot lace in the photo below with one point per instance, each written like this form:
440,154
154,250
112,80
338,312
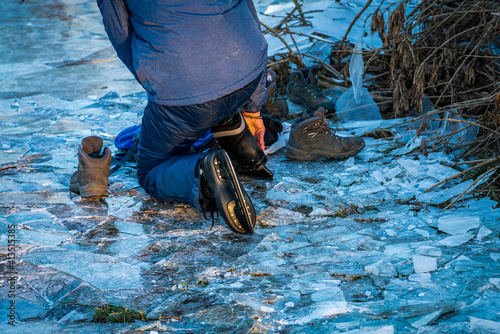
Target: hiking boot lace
315,91
321,129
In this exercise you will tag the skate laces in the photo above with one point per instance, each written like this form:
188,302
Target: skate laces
209,209
208,206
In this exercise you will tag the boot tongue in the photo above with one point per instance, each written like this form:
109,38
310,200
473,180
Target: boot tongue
311,75
321,113
92,145
319,118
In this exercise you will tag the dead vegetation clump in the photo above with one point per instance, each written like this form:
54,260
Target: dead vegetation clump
439,63
445,52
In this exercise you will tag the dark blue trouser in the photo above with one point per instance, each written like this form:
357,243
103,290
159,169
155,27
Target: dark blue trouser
165,166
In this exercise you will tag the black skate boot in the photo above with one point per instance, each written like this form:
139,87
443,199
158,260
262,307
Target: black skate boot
222,192
236,139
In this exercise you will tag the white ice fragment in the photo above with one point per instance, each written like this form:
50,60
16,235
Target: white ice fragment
209,273
423,233
424,264
411,166
372,330
410,146
468,134
390,232
379,176
278,216
289,304
424,184
74,316
356,71
457,224
92,268
322,310
484,326
430,251
411,227
346,325
424,320
266,309
372,190
391,173
349,162
236,285
371,244
421,277
250,302
122,207
440,172
151,325
319,212
331,294
495,281
455,240
356,103
442,195
282,139
382,268
355,168
495,256
483,232
402,250
161,262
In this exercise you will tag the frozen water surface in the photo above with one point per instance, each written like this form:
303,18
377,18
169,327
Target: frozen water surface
351,246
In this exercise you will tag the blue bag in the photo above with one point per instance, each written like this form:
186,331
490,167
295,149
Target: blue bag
128,139
125,139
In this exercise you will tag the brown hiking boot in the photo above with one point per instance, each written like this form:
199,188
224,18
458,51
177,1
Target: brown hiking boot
311,138
275,107
303,89
91,178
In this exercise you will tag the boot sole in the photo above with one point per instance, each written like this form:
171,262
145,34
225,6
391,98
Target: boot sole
236,210
90,190
296,154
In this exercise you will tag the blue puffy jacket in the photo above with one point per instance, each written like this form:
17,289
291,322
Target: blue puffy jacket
187,52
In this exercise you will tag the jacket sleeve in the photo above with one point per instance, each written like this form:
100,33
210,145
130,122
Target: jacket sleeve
116,19
259,96
251,6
